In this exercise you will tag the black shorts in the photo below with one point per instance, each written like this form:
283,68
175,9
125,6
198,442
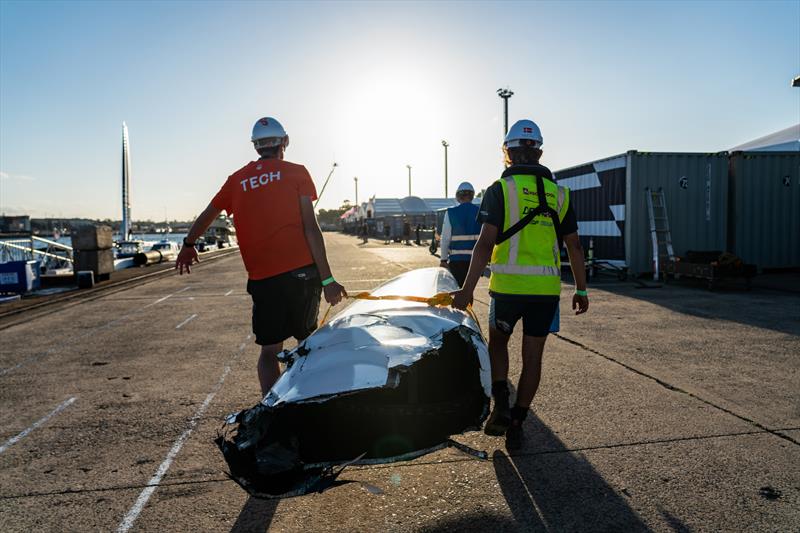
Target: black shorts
285,305
459,271
536,313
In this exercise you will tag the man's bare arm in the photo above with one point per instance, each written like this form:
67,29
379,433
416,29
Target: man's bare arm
188,255
334,292
481,255
576,263
202,222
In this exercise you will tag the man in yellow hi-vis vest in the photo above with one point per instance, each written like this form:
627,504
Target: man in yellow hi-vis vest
525,217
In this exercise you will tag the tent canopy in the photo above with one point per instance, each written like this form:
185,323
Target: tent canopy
787,140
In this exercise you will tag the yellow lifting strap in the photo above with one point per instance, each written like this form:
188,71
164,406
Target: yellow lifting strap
442,299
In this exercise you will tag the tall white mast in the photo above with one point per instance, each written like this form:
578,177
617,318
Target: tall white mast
126,190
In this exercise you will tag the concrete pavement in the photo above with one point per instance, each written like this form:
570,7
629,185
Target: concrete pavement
661,409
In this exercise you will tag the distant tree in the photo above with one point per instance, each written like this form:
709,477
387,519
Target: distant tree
331,216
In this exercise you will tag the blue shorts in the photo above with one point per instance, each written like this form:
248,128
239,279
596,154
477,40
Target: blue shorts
555,326
539,316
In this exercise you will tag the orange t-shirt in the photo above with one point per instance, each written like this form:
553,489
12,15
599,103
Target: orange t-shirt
264,199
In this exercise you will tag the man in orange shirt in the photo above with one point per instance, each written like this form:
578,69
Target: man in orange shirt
280,242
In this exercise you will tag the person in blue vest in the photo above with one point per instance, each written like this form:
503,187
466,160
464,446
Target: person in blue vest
460,232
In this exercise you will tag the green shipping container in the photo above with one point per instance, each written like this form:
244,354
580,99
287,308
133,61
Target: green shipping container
764,226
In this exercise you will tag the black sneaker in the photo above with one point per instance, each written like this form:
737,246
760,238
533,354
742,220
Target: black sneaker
499,419
514,436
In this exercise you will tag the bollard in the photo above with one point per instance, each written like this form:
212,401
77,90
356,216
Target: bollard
85,279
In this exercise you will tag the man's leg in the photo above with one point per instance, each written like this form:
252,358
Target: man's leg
269,369
299,305
498,354
532,349
500,417
503,315
459,269
537,321
269,325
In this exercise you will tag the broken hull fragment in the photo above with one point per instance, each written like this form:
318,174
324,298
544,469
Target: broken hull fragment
384,381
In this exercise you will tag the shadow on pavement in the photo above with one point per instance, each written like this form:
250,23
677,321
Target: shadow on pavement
768,309
256,516
674,523
559,490
472,522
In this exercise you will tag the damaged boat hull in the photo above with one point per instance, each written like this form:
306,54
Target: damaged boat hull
383,381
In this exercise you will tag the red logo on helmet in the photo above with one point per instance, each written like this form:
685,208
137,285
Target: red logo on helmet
527,130
264,122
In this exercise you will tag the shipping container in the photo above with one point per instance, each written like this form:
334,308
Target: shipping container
598,199
609,199
764,226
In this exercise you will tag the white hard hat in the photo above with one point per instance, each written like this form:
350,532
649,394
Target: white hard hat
268,132
524,133
465,186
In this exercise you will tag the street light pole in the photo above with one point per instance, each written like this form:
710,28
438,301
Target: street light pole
409,179
356,182
445,144
505,94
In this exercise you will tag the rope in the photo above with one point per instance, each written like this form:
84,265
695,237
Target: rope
442,299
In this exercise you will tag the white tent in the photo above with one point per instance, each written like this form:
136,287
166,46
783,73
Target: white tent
787,140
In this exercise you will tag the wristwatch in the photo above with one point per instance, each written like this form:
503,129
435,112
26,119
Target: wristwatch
187,243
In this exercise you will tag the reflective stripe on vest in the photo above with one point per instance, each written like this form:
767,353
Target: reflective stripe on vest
527,270
512,270
457,238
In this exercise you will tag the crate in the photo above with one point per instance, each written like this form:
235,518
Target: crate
93,238
98,261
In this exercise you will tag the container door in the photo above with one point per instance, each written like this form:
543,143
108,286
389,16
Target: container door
765,208
696,193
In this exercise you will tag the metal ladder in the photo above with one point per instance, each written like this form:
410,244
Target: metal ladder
659,230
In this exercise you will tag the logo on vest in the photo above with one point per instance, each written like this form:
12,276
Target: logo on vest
530,192
257,181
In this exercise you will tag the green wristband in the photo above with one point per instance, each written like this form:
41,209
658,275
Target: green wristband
581,293
326,282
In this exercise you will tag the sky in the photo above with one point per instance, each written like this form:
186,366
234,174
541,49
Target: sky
373,86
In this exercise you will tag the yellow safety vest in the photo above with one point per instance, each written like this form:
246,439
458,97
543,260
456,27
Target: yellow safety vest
529,263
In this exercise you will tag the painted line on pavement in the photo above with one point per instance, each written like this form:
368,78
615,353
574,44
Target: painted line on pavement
13,440
229,292
167,297
91,331
179,326
133,513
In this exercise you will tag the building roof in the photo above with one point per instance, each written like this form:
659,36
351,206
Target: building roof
411,205
440,203
787,140
414,205
386,207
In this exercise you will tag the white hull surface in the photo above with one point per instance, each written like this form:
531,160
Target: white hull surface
383,381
